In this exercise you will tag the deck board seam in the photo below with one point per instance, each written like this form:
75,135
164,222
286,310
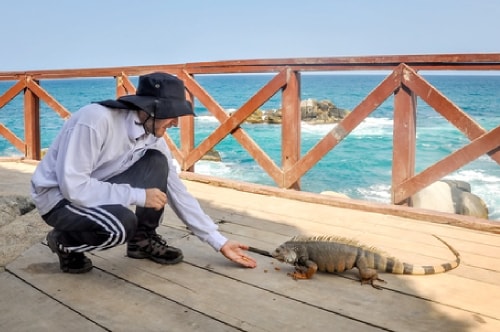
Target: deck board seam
210,270
7,270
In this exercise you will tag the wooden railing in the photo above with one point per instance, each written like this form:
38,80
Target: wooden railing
403,82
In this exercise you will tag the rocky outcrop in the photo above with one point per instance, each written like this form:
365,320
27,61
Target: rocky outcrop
319,112
451,196
20,227
311,111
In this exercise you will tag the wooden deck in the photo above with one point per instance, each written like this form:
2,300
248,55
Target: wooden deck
208,293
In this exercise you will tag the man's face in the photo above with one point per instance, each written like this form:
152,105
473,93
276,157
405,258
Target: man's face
160,125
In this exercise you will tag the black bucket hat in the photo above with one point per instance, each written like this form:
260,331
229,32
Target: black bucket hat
161,95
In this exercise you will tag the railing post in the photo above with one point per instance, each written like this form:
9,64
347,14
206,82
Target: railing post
186,124
404,139
31,124
290,125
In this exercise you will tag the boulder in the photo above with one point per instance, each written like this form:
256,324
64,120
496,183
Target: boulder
20,227
318,112
451,196
12,206
256,117
212,155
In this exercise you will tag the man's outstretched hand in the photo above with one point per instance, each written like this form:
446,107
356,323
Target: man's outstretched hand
235,251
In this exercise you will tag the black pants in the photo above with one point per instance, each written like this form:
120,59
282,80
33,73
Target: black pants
96,228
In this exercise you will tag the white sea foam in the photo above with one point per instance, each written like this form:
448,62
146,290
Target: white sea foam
376,193
207,118
475,175
316,129
218,169
368,127
374,127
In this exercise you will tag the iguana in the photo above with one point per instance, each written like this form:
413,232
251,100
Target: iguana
337,254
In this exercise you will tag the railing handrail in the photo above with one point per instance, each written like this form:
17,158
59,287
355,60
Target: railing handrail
466,62
403,81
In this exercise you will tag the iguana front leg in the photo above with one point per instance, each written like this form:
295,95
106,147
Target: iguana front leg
305,270
367,275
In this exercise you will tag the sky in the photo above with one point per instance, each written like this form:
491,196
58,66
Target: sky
52,34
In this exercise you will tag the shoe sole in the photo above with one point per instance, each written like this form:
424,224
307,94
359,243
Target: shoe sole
84,269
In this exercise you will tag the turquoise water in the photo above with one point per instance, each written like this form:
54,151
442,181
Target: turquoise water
360,166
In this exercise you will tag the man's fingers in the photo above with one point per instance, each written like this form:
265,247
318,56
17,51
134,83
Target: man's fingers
155,198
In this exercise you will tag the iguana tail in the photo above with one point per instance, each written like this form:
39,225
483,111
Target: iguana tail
396,267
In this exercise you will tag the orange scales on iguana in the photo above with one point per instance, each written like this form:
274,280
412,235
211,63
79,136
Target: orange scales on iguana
337,254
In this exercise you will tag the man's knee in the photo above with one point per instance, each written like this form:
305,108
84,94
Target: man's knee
156,172
157,162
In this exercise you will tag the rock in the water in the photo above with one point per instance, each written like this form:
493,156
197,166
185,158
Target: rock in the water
312,111
212,155
451,196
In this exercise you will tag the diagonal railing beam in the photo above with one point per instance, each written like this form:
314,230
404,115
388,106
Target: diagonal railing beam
12,138
231,124
451,112
374,99
483,144
47,98
12,92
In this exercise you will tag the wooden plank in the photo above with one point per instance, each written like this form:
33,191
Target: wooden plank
470,152
238,133
469,222
25,308
112,303
404,136
31,123
234,121
463,299
226,299
274,220
394,310
12,138
279,208
12,92
187,129
408,250
478,61
451,112
480,261
36,89
290,126
275,206
389,235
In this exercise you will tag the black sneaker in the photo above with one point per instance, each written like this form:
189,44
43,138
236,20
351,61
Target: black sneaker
155,248
73,262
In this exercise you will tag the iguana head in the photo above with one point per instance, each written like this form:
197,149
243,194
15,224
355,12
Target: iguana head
285,254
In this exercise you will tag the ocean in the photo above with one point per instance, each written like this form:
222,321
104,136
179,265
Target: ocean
360,166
